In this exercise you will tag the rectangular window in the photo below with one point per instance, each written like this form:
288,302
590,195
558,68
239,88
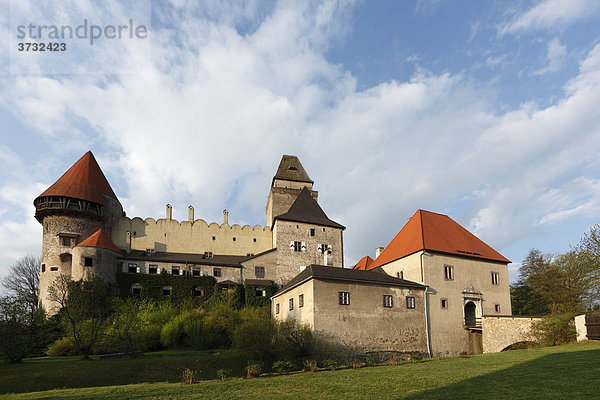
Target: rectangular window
324,248
153,269
196,271
410,302
277,308
344,298
497,307
259,292
217,272
444,303
388,302
296,246
175,270
132,268
53,268
448,272
66,241
301,301
312,231
88,261
208,254
259,272
43,267
291,304
495,278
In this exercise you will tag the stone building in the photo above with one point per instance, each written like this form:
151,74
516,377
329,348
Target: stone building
86,232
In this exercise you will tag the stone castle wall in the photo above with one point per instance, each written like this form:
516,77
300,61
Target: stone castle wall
500,332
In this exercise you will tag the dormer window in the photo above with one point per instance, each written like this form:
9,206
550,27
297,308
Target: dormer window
67,239
208,254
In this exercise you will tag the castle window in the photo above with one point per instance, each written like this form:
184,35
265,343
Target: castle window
88,261
217,272
410,302
291,304
497,308
448,272
153,269
323,229
400,275
249,254
214,238
53,269
297,246
301,301
254,240
259,272
166,290
149,252
66,241
197,291
234,239
297,226
196,271
43,267
312,231
136,289
388,301
208,254
132,268
344,298
277,308
495,278
324,249
175,270
444,303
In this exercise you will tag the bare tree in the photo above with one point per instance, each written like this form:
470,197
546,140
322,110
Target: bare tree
23,279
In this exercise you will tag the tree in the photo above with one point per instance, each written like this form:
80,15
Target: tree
85,306
23,279
19,328
526,301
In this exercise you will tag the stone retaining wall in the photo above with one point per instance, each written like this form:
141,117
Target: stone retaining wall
500,332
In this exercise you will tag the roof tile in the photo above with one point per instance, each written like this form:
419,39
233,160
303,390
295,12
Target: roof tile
100,240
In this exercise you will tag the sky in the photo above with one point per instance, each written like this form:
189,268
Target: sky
484,111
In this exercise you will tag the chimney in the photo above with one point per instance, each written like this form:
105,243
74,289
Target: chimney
191,213
225,217
169,211
378,251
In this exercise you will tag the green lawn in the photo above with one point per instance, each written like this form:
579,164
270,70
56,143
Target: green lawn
562,372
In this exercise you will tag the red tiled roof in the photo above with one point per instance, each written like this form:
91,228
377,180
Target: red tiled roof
364,263
427,230
100,240
84,180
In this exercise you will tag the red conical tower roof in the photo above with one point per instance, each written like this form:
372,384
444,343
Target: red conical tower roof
99,240
84,181
427,230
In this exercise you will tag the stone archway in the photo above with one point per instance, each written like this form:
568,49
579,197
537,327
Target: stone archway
470,314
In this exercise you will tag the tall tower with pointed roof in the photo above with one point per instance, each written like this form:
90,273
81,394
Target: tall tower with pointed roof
79,204
287,183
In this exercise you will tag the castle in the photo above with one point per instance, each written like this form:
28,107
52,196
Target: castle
432,289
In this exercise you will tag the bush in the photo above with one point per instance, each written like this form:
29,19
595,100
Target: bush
223,374
310,365
555,329
293,341
252,336
370,362
189,376
62,347
353,363
331,365
253,371
283,367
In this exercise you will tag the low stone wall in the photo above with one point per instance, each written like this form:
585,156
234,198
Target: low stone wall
500,332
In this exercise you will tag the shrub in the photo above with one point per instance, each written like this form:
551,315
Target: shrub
223,374
555,329
353,363
283,367
253,371
331,365
293,341
252,336
370,362
189,376
184,330
394,359
62,347
464,354
310,365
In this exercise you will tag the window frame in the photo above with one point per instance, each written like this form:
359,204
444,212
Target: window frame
257,269
344,298
175,268
301,300
291,303
276,308
448,272
217,272
444,304
388,301
151,267
133,265
410,302
85,261
495,278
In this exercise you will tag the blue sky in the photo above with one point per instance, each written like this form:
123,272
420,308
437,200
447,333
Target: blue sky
485,111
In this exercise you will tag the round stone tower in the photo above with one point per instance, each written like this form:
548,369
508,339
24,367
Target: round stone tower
77,205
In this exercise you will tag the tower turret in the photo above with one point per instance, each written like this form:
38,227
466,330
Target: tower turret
78,204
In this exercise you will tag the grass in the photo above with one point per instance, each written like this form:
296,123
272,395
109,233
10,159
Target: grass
568,371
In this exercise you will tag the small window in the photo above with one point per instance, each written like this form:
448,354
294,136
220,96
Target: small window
175,270
88,261
43,267
234,238
214,238
132,268
153,269
166,290
197,291
400,275
448,272
208,254
136,289
66,241
53,268
495,278
324,248
344,298
217,272
444,303
312,231
296,246
297,226
249,254
254,240
259,272
301,301
196,271
291,304
259,292
388,301
410,302
277,308
497,308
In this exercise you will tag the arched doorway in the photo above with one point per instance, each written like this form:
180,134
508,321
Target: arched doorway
470,314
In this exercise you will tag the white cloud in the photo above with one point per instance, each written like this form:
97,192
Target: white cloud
550,15
556,56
